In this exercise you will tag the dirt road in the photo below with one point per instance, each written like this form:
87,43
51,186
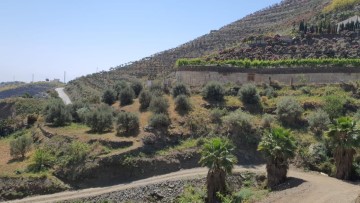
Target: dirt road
308,187
63,95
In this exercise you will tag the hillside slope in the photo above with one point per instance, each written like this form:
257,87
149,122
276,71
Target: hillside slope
278,18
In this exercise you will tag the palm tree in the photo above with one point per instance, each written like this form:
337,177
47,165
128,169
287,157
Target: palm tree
217,156
278,146
344,138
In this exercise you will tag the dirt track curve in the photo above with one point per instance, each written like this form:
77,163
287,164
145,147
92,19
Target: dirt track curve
63,95
304,187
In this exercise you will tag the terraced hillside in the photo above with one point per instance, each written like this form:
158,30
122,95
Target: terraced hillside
278,18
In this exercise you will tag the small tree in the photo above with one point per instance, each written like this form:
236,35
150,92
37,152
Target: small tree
137,87
119,86
248,94
289,110
344,139
159,121
182,104
144,99
180,89
318,121
159,105
278,146
42,160
100,119
127,122
57,113
126,96
240,126
334,106
109,97
213,91
20,146
217,155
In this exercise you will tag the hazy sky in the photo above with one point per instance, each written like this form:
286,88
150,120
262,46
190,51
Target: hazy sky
48,37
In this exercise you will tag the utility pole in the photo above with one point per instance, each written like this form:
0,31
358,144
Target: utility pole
33,78
64,77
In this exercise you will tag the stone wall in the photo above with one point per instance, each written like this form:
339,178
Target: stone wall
200,78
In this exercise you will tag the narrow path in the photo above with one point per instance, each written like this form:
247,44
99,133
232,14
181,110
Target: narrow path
311,188
63,95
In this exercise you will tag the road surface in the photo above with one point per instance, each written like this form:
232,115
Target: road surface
313,188
63,95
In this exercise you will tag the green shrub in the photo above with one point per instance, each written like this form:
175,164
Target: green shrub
216,115
137,87
334,106
270,92
20,146
213,91
119,86
156,89
144,99
127,122
100,119
75,111
159,121
240,126
126,96
267,120
305,90
76,153
289,110
159,105
192,194
248,94
109,97
57,113
31,119
318,121
182,103
42,160
180,89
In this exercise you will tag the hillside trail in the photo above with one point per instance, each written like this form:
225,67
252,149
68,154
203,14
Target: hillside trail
307,187
63,95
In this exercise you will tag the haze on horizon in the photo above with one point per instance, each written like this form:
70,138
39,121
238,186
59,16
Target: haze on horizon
45,38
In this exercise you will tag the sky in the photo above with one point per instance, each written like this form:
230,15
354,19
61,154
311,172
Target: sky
45,38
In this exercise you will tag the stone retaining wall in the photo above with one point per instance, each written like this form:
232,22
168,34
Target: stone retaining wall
200,78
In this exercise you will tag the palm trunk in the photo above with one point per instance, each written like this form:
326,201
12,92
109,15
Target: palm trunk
276,172
343,161
215,182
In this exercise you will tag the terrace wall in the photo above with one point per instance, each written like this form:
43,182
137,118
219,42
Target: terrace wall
197,77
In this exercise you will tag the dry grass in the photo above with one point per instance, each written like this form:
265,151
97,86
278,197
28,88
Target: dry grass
7,164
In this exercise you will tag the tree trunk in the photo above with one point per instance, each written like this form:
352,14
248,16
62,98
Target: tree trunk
343,161
215,182
276,172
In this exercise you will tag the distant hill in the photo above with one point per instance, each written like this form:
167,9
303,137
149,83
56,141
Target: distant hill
29,89
277,19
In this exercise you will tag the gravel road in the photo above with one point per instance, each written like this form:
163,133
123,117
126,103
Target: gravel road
302,187
63,95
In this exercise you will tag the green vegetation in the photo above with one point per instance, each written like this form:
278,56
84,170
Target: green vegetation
100,119
289,111
159,105
239,126
216,115
182,104
318,121
217,155
334,106
20,146
340,5
127,122
180,89
57,113
144,99
310,63
159,121
192,194
344,137
248,94
278,146
213,91
137,87
109,97
126,96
